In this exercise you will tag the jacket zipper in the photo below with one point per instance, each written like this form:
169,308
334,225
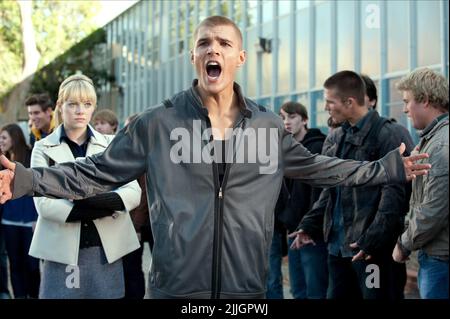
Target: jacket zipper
218,224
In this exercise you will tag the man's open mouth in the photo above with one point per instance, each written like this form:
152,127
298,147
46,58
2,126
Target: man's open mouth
213,69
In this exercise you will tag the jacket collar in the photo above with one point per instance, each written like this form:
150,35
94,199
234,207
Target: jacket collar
357,138
54,138
434,126
246,112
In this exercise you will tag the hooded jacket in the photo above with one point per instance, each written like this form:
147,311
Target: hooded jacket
211,240
300,196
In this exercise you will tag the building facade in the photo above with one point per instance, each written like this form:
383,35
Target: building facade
292,47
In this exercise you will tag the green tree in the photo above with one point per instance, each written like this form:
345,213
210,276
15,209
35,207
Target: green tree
56,26
10,45
61,24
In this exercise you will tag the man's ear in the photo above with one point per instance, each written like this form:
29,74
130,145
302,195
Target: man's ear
242,58
350,101
426,101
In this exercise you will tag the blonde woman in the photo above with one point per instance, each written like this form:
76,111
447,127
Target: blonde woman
81,241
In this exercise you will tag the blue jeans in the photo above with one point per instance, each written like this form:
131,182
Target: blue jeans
432,277
24,269
308,271
275,279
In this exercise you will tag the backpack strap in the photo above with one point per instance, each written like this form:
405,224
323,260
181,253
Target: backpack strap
372,138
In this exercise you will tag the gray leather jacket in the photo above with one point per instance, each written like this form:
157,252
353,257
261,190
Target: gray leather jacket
211,240
427,223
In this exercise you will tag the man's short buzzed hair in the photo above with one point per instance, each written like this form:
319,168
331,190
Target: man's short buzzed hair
424,84
43,100
214,21
347,84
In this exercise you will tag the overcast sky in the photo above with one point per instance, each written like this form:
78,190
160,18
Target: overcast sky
109,9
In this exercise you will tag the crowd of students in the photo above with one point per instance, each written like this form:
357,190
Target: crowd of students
81,202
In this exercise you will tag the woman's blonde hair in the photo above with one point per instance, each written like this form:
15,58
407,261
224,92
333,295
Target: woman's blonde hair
78,87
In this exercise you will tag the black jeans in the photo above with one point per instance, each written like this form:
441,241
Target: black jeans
134,277
3,265
378,278
24,269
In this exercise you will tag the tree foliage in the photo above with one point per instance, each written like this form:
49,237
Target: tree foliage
11,53
58,26
80,58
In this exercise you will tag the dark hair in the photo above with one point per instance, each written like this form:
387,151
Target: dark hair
43,100
19,147
371,89
214,21
295,108
108,116
347,84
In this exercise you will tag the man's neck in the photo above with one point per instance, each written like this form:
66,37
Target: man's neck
78,135
222,109
219,104
433,114
300,135
359,113
46,128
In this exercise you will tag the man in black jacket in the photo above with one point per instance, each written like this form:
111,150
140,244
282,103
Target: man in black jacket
360,224
308,272
308,275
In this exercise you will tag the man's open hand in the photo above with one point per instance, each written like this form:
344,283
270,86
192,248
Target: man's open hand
6,179
301,239
412,170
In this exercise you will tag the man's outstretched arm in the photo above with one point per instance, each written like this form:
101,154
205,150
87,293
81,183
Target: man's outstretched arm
324,171
124,160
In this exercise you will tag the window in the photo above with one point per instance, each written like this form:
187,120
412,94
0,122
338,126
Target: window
345,35
302,49
318,115
252,13
398,33
279,101
284,55
267,33
284,7
428,33
251,63
323,42
395,103
370,37
267,7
